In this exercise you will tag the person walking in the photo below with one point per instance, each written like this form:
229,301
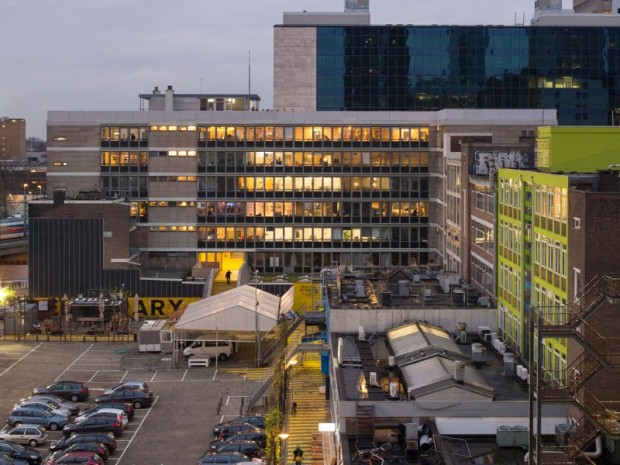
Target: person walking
294,408
228,274
298,454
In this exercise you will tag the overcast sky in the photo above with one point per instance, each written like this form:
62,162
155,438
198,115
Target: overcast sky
89,55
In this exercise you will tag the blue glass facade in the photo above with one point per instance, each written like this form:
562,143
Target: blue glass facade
572,69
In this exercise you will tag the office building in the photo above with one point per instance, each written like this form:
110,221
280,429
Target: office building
566,62
12,138
544,258
284,191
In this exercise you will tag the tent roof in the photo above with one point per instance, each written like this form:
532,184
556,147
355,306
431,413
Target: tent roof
240,309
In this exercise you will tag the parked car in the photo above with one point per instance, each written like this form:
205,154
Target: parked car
19,452
106,412
124,406
73,407
24,415
70,390
254,420
258,437
107,439
33,435
82,457
94,425
99,449
48,405
135,385
223,457
138,399
6,459
249,448
236,428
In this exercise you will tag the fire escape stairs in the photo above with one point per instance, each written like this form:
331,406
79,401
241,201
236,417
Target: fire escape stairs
598,355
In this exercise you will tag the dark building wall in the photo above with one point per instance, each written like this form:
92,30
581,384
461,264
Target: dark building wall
594,226
70,247
66,256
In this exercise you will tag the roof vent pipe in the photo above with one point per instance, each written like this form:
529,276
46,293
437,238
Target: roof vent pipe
459,371
169,99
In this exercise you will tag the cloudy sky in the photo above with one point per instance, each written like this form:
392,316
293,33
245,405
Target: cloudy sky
90,55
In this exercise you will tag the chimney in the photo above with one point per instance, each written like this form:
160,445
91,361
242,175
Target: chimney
459,371
156,91
169,99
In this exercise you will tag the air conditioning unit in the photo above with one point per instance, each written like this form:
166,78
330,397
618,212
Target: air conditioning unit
482,330
202,204
478,354
522,372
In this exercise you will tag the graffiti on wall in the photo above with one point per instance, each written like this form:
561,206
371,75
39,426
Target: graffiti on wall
489,161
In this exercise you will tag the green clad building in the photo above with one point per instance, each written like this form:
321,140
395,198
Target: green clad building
534,222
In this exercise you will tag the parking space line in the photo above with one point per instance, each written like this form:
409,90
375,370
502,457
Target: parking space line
93,376
154,374
184,375
138,429
214,374
20,359
123,378
76,360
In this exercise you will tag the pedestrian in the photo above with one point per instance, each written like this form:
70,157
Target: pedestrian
294,408
228,274
298,454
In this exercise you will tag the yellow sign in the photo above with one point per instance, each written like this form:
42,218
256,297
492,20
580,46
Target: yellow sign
159,307
307,297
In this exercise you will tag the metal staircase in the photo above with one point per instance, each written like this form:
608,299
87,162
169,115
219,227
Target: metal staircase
365,424
570,385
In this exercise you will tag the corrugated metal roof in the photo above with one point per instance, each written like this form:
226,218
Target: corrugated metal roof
410,340
436,373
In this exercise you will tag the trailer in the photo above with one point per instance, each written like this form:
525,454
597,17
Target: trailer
156,336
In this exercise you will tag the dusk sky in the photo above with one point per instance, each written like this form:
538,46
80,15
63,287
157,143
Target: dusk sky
86,55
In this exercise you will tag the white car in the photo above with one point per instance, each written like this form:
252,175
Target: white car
33,435
45,404
120,415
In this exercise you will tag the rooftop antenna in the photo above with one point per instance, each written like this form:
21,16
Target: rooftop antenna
249,79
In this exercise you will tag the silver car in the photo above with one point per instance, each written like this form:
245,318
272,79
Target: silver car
73,407
136,385
44,404
33,435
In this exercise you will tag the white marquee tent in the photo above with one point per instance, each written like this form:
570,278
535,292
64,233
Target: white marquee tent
235,311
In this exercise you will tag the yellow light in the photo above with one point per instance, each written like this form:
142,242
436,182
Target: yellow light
283,436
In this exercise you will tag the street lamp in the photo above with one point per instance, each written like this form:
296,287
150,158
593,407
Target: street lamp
283,437
291,364
24,198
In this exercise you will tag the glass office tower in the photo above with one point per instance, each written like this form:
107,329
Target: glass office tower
386,68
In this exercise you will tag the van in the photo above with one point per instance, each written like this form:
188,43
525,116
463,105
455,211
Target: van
202,347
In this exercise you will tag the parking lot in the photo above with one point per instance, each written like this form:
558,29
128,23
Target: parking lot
188,401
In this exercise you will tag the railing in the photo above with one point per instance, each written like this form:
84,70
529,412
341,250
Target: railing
591,295
270,371
275,345
559,384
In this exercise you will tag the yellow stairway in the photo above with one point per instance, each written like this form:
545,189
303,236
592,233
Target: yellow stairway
304,382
